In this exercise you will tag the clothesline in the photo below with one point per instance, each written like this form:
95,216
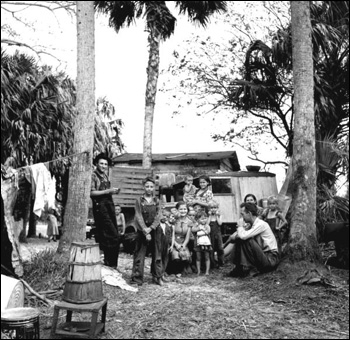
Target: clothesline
55,160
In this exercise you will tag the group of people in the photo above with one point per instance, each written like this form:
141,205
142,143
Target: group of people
188,237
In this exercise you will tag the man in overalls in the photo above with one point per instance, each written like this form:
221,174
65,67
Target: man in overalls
104,212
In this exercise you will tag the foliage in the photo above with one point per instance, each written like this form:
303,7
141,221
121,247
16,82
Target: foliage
160,24
333,164
257,87
37,113
107,129
37,108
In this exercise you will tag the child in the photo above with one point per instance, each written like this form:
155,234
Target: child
165,232
189,190
203,246
274,217
52,226
174,212
204,194
215,223
120,223
197,208
120,220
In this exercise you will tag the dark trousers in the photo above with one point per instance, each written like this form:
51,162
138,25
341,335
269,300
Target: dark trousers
107,232
160,253
248,253
217,245
139,257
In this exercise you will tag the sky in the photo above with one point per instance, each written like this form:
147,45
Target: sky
121,61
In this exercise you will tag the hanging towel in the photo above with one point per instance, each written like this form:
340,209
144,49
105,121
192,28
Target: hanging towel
45,188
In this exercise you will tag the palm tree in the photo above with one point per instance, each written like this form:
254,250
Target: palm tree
37,110
76,212
160,24
302,241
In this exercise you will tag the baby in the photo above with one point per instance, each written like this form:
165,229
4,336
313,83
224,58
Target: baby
189,190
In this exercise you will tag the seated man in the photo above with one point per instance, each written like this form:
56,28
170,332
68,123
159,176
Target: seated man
255,248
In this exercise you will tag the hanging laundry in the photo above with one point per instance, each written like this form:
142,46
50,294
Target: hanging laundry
23,200
45,188
8,194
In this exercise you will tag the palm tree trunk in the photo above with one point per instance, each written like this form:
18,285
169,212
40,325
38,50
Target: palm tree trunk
303,241
151,91
76,211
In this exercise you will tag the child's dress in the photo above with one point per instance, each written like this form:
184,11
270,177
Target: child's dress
203,240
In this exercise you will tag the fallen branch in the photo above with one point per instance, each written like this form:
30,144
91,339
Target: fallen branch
40,297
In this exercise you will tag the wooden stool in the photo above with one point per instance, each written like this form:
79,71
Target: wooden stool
80,329
20,323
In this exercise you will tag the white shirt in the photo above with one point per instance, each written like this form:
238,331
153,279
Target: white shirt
262,233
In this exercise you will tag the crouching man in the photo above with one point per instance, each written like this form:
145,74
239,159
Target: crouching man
255,249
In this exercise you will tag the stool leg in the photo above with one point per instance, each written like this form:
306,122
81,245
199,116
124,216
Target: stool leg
69,316
93,324
103,318
55,320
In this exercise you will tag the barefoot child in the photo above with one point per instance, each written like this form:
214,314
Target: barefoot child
215,223
120,223
203,247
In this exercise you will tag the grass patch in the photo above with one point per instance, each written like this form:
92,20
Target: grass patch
46,270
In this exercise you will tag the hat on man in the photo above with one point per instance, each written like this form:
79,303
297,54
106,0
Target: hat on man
102,156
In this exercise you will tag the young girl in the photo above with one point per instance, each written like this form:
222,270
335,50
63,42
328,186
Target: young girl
203,246
274,217
189,190
182,229
52,227
203,195
215,223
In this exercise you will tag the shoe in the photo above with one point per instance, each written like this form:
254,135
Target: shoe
158,281
165,279
253,272
133,283
236,272
178,275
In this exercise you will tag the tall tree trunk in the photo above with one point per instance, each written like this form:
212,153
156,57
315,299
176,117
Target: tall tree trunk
76,211
303,241
151,91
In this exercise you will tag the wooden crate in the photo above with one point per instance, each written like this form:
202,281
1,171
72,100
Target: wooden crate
129,180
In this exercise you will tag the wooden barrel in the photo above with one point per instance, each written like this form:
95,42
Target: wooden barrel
12,293
84,281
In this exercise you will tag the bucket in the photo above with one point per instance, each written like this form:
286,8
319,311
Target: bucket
84,281
24,321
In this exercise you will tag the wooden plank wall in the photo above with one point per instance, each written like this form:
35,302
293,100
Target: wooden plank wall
129,180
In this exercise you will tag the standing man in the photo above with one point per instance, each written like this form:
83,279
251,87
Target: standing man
256,249
104,211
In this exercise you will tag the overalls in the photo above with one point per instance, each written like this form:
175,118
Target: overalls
106,224
149,213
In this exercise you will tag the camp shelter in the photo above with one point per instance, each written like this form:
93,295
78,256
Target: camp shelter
230,188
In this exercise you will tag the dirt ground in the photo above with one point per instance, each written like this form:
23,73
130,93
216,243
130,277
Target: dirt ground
269,306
